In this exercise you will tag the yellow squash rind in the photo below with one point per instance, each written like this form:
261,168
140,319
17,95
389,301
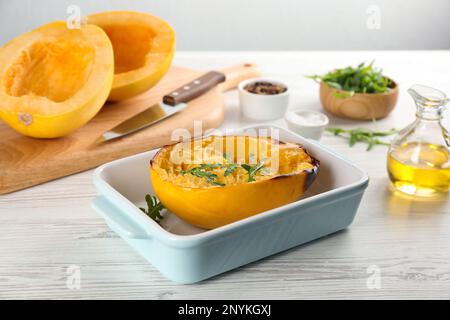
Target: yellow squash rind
39,97
144,46
212,207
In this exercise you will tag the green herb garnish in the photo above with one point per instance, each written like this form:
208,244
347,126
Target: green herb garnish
363,135
362,79
226,156
154,207
201,172
231,167
252,170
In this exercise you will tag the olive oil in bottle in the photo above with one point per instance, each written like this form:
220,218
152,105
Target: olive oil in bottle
418,160
420,169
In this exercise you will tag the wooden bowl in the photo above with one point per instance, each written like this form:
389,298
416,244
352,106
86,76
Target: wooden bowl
361,106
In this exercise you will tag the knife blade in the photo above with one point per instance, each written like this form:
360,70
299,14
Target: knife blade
146,118
171,104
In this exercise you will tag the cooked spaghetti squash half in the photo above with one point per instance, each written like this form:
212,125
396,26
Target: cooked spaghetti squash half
213,181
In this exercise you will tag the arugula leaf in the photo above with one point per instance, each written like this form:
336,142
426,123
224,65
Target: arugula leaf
363,135
202,173
336,131
362,79
226,156
231,166
230,169
210,165
202,170
154,207
334,85
252,170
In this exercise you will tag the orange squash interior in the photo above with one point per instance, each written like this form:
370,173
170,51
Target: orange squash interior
143,45
54,79
287,171
43,69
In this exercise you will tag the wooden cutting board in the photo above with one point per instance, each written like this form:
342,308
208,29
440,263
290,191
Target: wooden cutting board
25,161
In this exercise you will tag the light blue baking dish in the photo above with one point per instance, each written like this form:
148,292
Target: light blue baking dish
187,254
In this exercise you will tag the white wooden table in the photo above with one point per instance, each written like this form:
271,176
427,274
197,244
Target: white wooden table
47,229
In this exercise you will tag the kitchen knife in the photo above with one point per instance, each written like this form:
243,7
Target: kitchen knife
171,103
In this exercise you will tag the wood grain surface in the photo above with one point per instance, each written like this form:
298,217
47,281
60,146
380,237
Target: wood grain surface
361,106
28,161
47,230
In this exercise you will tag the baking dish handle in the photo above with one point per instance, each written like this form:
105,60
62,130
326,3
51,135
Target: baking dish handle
116,221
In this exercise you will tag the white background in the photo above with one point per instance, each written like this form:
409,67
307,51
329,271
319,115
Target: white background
264,24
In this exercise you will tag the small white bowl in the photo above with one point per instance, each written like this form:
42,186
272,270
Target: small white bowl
308,124
263,107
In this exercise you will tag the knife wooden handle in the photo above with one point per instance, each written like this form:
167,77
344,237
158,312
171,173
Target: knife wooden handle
194,88
238,73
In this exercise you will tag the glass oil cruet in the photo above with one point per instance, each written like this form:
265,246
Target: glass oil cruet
418,160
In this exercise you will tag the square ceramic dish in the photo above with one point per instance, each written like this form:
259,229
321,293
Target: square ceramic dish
187,254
